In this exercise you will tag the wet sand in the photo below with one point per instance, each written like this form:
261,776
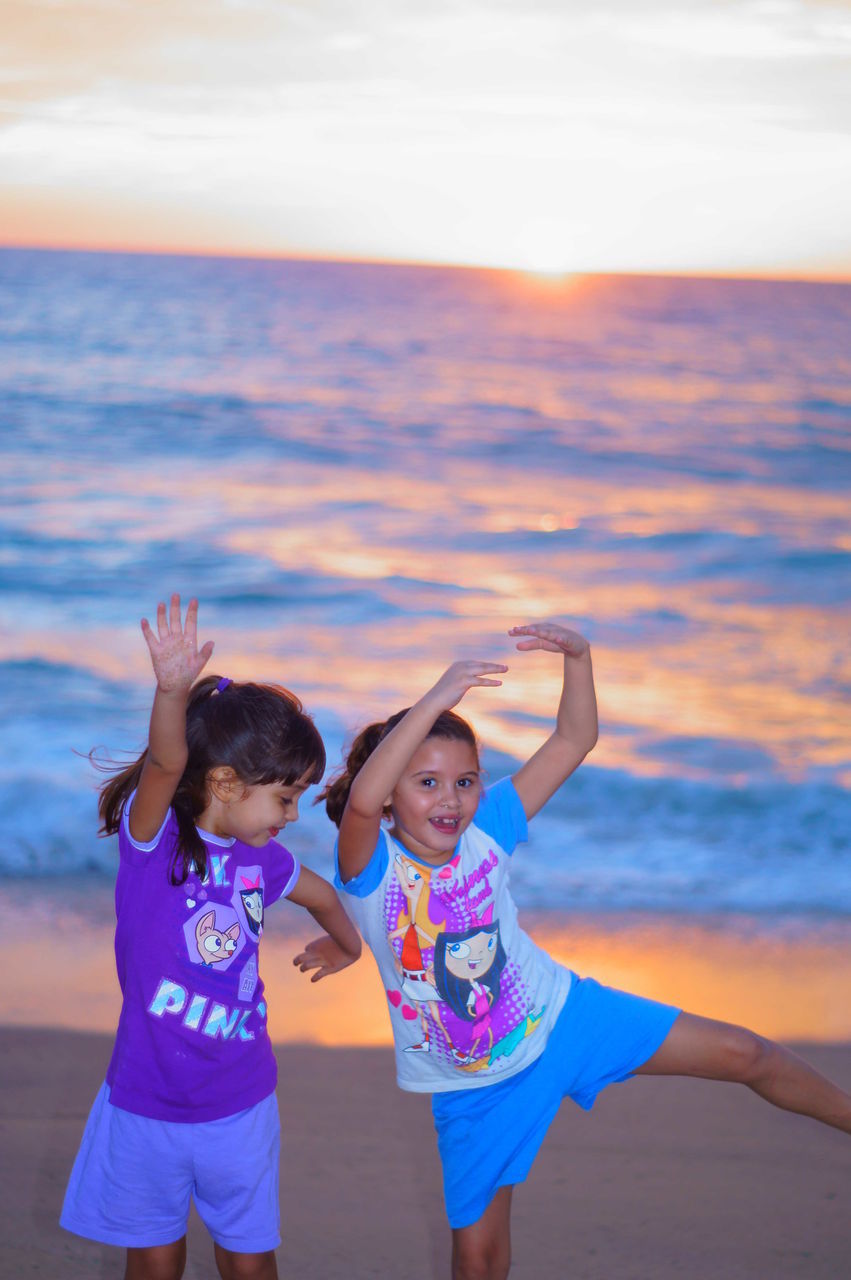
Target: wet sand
665,1178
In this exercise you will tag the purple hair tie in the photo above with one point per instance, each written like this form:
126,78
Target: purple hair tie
223,684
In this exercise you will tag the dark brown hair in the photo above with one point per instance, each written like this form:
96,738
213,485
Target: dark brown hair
260,730
336,793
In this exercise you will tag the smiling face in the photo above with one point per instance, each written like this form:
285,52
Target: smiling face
260,812
436,798
474,956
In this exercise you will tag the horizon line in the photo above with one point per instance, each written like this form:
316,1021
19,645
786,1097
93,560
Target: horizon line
779,275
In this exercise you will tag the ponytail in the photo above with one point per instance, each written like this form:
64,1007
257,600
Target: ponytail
336,792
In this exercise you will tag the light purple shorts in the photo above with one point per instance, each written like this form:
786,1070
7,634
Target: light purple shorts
134,1177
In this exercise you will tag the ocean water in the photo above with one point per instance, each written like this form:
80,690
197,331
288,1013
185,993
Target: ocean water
364,472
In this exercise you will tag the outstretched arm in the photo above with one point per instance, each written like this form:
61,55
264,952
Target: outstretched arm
340,945
177,663
576,721
374,784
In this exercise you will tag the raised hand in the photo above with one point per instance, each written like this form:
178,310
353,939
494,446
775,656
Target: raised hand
551,636
175,656
326,956
460,677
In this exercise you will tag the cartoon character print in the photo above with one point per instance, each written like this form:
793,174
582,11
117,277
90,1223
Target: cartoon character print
251,894
454,973
467,968
416,930
214,946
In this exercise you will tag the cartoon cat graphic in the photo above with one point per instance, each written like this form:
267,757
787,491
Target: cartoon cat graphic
214,946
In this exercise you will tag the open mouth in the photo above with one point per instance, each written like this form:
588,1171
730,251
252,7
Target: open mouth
446,826
273,831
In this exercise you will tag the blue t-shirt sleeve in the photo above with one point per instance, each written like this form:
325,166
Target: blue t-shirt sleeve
501,816
368,880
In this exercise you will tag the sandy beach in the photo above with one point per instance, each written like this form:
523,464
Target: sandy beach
664,1178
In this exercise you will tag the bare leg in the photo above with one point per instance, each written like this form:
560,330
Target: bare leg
245,1266
162,1262
482,1251
720,1051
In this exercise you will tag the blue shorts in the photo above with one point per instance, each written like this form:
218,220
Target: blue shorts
489,1137
133,1178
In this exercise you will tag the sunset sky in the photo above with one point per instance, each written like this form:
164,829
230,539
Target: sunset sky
637,135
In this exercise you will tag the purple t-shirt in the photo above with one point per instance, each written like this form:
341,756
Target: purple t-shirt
192,1043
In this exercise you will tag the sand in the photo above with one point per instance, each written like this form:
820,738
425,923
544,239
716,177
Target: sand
665,1178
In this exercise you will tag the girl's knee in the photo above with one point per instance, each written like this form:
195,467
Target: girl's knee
162,1262
246,1266
480,1260
745,1055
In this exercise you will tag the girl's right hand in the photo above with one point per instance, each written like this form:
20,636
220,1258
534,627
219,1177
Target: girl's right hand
460,677
175,656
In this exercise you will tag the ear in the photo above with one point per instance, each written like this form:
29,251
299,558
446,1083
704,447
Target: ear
232,932
225,784
205,924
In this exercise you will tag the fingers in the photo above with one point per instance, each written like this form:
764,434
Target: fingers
205,654
535,629
304,962
150,638
482,670
474,673
191,628
475,666
543,631
551,636
168,622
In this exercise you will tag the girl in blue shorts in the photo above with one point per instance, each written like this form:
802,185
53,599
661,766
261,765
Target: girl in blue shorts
483,1019
188,1108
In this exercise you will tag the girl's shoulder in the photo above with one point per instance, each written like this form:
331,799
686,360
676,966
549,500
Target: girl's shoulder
500,815
370,878
141,852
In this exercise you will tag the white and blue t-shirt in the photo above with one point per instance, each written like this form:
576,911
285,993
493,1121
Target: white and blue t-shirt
471,997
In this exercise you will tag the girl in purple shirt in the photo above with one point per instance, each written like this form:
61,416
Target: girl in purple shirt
188,1108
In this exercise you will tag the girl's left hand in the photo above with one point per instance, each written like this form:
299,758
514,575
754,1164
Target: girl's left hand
553,637
175,656
325,955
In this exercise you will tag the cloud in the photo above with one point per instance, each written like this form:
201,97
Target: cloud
451,113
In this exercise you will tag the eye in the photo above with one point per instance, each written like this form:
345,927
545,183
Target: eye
458,950
465,782
212,944
230,945
491,943
413,876
428,782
